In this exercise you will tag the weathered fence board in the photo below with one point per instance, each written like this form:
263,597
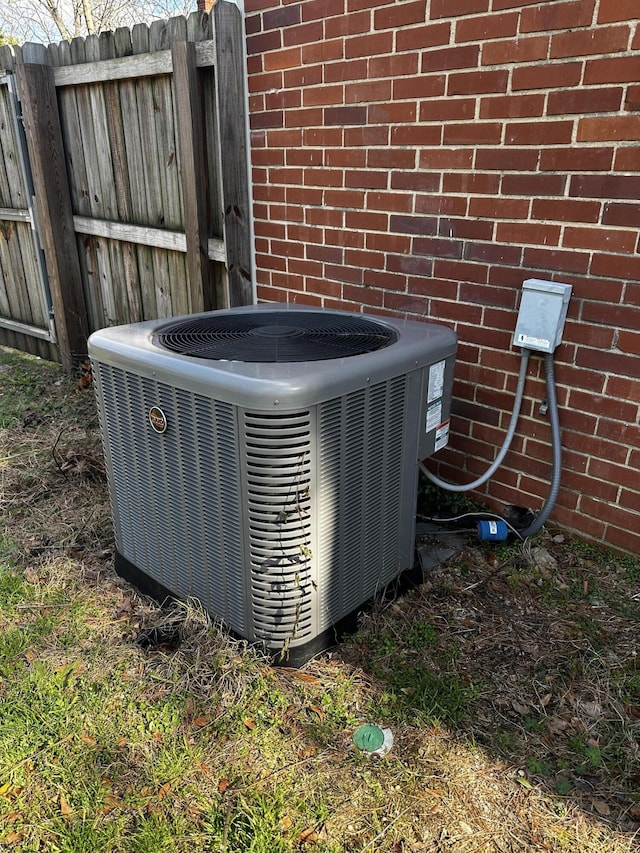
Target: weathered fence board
149,181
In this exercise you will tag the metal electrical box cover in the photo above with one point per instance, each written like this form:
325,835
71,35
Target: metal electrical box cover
543,310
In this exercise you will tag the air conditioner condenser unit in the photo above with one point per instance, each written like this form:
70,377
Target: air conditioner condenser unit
264,459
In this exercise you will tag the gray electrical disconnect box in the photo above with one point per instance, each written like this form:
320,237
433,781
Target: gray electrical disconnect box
543,310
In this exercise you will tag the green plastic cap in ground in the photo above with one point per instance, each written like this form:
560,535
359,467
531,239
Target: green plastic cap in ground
373,739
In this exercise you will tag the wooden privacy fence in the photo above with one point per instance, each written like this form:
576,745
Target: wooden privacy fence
132,174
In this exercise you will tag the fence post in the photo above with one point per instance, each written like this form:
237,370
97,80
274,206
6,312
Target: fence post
190,132
234,153
37,93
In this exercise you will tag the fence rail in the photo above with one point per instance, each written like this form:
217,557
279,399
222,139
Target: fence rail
138,147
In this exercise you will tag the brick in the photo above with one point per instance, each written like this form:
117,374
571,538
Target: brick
322,51
413,225
447,109
533,184
408,304
627,158
454,8
312,9
441,205
535,233
621,214
586,42
367,92
611,362
605,186
323,287
601,404
617,10
621,315
601,239
480,183
515,51
512,106
433,287
344,115
448,58
286,212
304,117
483,295
507,160
417,136
565,210
438,247
409,12
396,65
479,133
322,137
419,38
344,157
485,27
284,99
303,35
626,389
621,69
364,258
556,259
384,280
410,264
366,135
422,182
347,25
278,60
547,76
307,75
588,334
367,221
538,133
304,157
353,69
391,158
322,95
467,229
348,198
494,253
477,82
393,113
326,254
571,159
323,178
268,119
353,239
446,158
623,539
363,294
399,244
419,87
499,208
460,270
594,487
368,45
366,179
263,42
632,99
264,82
585,101
557,16
390,202
324,216
285,16
609,128
352,275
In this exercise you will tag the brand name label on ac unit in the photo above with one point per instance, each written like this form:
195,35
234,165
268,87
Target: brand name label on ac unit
157,419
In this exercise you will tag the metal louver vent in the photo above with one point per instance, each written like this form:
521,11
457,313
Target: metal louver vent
278,499
276,336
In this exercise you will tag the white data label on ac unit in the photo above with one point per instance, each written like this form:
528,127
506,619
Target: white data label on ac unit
436,381
434,416
442,436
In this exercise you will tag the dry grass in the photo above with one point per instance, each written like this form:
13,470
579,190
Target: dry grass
510,680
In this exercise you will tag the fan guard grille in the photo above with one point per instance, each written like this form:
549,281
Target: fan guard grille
274,336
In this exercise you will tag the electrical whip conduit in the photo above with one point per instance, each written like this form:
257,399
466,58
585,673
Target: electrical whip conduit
552,402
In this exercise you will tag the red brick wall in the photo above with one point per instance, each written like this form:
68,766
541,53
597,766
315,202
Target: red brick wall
424,158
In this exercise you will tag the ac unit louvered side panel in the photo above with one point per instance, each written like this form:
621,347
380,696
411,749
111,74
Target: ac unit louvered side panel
360,459
176,495
277,452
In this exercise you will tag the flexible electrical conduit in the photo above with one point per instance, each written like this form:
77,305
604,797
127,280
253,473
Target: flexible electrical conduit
556,444
515,414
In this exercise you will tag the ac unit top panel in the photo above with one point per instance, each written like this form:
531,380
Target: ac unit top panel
405,345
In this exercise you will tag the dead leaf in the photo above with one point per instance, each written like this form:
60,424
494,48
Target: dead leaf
164,790
223,784
285,823
309,836
301,676
250,723
307,752
601,807
318,711
65,808
202,720
546,699
85,738
12,838
31,575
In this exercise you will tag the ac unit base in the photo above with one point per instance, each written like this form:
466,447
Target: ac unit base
296,656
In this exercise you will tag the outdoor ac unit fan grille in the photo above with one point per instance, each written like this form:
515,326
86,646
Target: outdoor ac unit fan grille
276,336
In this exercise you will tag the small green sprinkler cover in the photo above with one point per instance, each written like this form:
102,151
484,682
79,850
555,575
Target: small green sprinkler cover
373,739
